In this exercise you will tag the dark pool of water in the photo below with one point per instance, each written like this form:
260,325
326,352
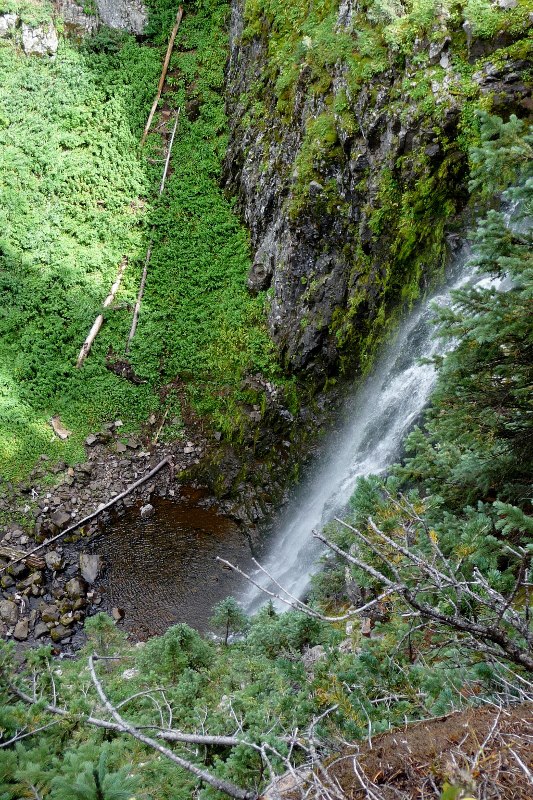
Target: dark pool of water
162,570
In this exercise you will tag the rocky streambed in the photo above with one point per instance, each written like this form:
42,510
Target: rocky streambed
45,597
150,559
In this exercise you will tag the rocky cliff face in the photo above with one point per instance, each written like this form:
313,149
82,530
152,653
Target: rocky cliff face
127,15
349,168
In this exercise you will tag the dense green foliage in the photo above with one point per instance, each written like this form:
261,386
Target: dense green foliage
69,212
411,667
78,195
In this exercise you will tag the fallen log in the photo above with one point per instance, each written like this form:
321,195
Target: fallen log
163,74
99,321
137,308
15,554
98,511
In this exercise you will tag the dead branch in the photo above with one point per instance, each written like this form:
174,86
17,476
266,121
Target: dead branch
299,605
488,634
217,783
98,511
137,308
99,321
161,83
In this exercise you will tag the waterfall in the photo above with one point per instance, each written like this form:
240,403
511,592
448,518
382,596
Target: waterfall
375,422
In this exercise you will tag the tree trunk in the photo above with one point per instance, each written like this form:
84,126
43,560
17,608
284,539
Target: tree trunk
97,324
163,74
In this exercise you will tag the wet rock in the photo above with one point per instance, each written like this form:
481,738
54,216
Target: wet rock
53,560
50,613
40,41
60,518
36,578
22,629
147,511
90,567
74,588
41,629
59,632
9,612
67,619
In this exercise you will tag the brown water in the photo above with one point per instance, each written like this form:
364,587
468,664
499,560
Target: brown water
162,570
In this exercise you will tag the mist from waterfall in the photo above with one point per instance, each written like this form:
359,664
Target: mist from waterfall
374,423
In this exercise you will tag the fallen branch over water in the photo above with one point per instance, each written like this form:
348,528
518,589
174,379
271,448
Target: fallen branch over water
92,516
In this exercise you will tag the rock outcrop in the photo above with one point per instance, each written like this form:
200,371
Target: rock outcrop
349,174
126,15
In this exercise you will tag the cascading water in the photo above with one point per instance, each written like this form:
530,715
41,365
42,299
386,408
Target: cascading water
377,419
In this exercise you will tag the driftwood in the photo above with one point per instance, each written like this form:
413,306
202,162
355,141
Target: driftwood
149,251
98,511
99,321
15,554
163,74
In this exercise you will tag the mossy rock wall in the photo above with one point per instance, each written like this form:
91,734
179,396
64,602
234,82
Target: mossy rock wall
348,141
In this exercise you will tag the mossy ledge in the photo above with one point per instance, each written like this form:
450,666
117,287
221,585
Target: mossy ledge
350,127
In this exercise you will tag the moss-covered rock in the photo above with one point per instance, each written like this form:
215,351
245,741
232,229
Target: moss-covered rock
348,141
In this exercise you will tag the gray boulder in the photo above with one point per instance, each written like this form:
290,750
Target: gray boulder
22,628
127,15
40,41
53,560
90,567
8,23
9,612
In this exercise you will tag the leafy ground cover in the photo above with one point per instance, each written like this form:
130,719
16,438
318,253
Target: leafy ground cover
77,196
306,690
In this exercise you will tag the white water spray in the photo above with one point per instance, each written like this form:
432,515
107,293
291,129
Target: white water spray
377,419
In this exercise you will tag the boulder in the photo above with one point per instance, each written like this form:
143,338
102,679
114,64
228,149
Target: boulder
59,632
91,440
9,612
74,588
35,578
312,655
60,518
40,41
128,15
22,628
53,560
41,629
50,613
90,567
8,23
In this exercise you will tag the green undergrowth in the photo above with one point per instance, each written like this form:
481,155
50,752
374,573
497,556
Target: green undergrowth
69,209
77,196
214,331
